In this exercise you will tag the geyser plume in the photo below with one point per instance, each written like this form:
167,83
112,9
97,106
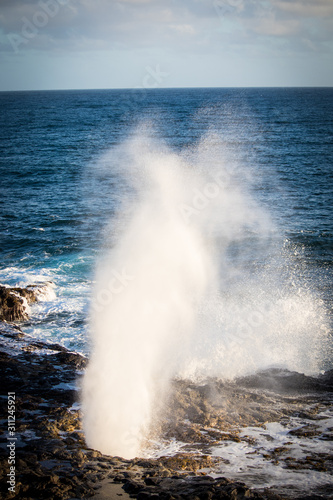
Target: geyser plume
147,293
193,287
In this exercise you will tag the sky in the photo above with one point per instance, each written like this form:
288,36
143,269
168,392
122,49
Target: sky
81,44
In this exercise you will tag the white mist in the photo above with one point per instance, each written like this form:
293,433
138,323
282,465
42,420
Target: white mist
192,288
146,298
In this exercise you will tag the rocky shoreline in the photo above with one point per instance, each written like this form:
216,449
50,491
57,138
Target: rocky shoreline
53,461
51,458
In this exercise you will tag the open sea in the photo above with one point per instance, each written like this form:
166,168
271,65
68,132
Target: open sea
68,194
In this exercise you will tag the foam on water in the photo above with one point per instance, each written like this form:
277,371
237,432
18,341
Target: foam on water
241,459
63,297
197,283
273,455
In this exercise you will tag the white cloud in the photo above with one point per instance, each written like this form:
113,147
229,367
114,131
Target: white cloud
131,24
181,32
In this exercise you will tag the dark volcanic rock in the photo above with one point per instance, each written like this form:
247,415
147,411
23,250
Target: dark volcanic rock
192,487
280,380
53,461
50,452
13,303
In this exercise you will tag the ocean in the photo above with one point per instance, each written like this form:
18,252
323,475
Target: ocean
215,204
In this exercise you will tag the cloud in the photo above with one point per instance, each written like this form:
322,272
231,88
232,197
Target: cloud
287,26
270,27
78,24
171,25
305,8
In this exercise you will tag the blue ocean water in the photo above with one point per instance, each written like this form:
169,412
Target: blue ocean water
60,191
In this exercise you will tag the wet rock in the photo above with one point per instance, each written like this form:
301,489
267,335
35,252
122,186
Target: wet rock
14,302
53,460
196,487
326,379
188,462
70,358
306,431
280,380
133,487
9,331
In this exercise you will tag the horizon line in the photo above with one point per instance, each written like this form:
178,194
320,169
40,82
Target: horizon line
173,88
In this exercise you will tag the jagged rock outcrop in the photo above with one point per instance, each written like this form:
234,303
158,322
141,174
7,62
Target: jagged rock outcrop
14,301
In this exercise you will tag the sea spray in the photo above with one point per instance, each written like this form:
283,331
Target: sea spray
147,293
198,283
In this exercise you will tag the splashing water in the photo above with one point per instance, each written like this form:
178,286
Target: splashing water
196,285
